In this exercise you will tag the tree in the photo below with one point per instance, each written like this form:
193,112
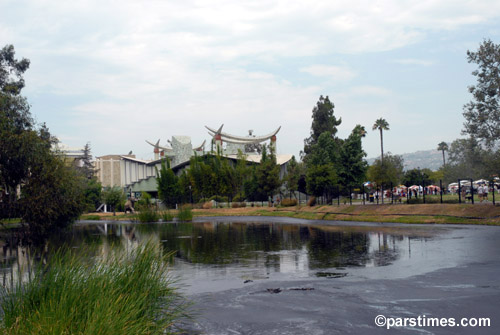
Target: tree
482,113
417,177
51,192
323,121
268,173
381,124
443,146
352,166
293,173
320,178
387,172
85,162
52,197
113,196
168,184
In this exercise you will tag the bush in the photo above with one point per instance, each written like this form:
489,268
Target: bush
166,216
218,198
127,293
238,198
235,205
289,202
207,205
243,204
312,201
147,214
185,213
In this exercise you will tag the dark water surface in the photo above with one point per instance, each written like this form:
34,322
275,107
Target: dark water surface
219,254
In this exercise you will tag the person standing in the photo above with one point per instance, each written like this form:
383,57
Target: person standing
480,192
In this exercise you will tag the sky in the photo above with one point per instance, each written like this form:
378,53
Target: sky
117,73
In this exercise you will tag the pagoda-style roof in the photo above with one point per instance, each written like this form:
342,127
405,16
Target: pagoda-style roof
241,139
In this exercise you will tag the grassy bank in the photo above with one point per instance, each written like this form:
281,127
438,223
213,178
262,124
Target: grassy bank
128,293
486,214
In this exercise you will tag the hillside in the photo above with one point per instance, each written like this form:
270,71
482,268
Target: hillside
430,159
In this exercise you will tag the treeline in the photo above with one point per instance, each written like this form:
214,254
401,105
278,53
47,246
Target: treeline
37,185
478,155
213,176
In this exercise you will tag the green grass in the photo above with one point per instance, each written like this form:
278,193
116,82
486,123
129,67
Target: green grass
90,217
147,214
127,293
185,213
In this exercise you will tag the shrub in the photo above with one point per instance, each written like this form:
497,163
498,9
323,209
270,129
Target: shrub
166,216
289,202
147,214
235,205
127,293
312,201
238,198
207,205
243,204
185,213
218,198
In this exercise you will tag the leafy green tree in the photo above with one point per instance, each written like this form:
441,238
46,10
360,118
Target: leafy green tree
320,178
325,151
443,146
52,197
387,172
323,121
352,165
469,159
168,184
482,113
268,174
293,173
417,177
381,124
113,196
51,194
92,189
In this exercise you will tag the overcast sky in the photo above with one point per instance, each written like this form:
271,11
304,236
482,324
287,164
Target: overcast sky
115,73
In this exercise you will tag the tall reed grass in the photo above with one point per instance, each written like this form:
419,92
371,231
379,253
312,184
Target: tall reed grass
127,293
185,213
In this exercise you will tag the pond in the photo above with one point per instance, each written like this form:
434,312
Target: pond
216,254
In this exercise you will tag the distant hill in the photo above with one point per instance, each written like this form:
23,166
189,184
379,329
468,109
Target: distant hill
430,159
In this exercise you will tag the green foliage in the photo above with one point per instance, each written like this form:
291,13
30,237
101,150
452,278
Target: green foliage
147,214
185,213
381,124
128,293
113,196
166,216
323,121
482,116
293,173
268,174
443,146
469,159
92,193
417,177
387,172
52,196
320,178
352,166
168,184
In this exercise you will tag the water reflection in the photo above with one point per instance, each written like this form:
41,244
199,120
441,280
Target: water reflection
227,252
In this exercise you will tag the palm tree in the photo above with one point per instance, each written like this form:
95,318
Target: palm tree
443,147
381,124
